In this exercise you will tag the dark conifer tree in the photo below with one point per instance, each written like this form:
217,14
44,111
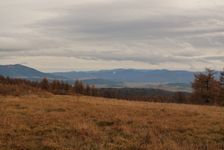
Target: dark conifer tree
44,84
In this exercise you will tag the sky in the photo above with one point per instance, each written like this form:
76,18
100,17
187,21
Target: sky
56,35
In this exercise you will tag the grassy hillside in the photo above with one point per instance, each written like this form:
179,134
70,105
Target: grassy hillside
73,123
21,90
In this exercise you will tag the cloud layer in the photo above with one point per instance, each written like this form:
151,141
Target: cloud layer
104,34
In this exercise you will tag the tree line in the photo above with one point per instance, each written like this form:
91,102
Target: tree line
56,87
79,88
207,88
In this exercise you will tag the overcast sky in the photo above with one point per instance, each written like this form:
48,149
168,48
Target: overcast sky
62,35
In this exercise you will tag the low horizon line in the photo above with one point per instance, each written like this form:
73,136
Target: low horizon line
140,69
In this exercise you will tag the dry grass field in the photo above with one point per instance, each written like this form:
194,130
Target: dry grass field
86,123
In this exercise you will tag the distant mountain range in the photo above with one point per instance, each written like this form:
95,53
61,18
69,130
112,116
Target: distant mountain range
132,75
20,71
163,79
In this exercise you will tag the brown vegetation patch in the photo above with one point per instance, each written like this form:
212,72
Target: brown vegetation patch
55,110
70,123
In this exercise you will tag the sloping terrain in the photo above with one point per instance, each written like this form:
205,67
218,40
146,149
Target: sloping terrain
24,72
86,123
21,90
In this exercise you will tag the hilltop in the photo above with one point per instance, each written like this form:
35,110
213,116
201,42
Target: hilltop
24,72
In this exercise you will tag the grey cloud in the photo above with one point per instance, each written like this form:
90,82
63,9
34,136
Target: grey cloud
147,31
103,23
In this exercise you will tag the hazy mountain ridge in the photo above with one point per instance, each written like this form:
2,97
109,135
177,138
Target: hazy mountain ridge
20,71
133,75
116,78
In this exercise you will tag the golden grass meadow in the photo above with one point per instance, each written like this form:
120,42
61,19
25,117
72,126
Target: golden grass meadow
87,123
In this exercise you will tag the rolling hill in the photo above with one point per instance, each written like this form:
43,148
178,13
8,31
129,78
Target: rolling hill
20,71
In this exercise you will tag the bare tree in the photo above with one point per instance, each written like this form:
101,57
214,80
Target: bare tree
205,87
